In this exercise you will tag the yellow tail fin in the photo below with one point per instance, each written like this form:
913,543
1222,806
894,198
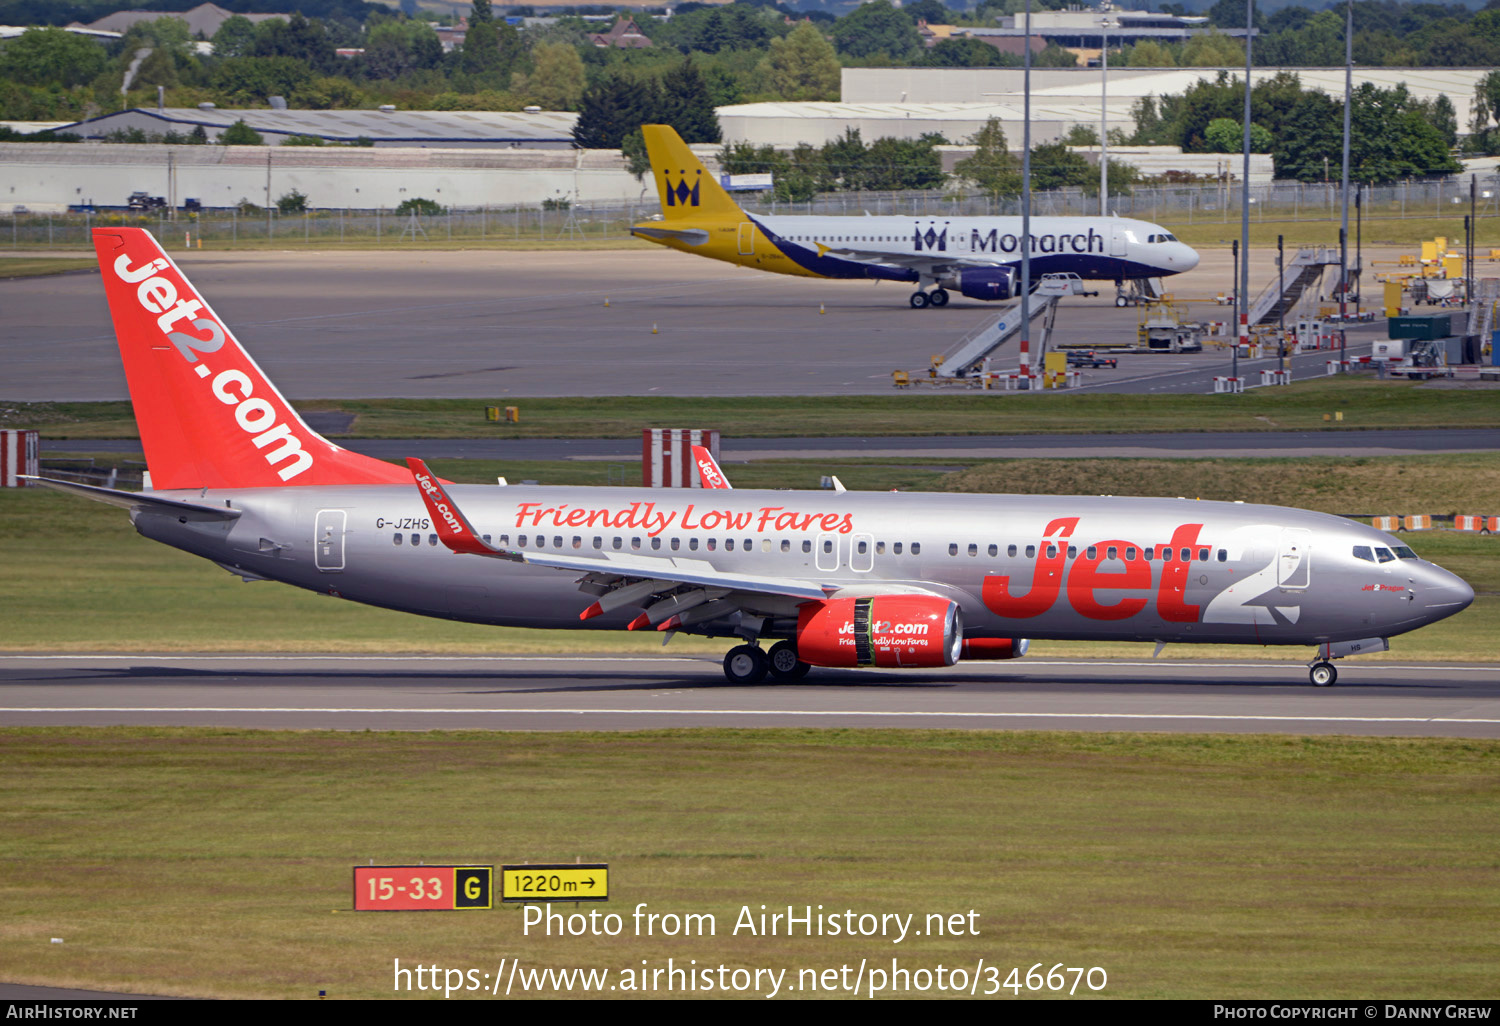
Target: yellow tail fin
686,188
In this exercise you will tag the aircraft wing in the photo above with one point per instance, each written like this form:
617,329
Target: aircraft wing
674,591
932,265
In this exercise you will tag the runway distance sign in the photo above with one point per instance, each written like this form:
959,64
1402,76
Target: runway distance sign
422,888
563,882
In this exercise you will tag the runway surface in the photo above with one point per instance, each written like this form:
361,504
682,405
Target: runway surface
1203,445
496,324
637,693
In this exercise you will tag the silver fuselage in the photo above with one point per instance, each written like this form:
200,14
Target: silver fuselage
1019,566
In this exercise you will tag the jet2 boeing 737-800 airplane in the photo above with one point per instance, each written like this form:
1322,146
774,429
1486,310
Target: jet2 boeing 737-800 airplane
979,257
836,579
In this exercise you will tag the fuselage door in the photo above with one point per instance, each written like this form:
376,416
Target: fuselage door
328,539
861,553
1117,242
827,552
1294,561
747,239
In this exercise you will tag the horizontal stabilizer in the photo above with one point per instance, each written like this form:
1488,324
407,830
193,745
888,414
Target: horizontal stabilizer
139,500
691,236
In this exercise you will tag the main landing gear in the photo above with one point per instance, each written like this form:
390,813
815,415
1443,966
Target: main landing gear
747,664
937,297
1322,673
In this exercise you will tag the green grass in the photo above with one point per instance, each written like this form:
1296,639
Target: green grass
1365,403
35,267
1390,230
216,863
80,579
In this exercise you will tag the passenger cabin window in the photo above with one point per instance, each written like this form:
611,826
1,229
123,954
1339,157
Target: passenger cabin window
1112,553
786,545
1223,556
952,549
1030,551
432,539
916,547
396,539
994,550
1093,552
615,542
676,544
1203,555
896,548
598,542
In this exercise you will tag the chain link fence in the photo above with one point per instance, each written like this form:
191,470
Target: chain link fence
1171,205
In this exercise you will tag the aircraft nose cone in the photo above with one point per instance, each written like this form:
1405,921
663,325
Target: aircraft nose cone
1189,258
1445,593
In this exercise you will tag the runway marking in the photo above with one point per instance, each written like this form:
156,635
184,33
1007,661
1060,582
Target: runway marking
750,712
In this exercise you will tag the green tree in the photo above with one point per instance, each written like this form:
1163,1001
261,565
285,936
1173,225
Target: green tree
491,50
292,202
296,37
992,167
235,38
398,46
1054,166
557,79
802,65
247,81
686,105
877,28
1122,177
1054,56
1226,135
1148,53
611,109
240,134
421,207
967,52
51,56
1212,50
904,164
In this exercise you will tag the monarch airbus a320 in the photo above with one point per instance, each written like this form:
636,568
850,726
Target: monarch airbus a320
978,257
820,578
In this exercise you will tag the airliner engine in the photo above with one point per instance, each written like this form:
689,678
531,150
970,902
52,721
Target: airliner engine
986,282
882,630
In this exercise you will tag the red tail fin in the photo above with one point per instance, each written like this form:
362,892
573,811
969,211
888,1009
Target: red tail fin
208,416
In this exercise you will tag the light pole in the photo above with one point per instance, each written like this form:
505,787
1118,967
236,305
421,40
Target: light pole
1242,293
1026,210
1104,119
1344,229
1234,359
1359,259
1280,305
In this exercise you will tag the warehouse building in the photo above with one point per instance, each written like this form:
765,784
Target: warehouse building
467,129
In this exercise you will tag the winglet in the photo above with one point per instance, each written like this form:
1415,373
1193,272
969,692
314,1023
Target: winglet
708,469
452,526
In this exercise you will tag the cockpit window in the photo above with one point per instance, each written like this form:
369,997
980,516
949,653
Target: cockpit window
1384,555
1402,552
1169,237
1363,552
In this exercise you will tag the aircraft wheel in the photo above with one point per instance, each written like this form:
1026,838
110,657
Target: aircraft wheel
746,664
784,662
918,300
1323,674
939,297
1121,301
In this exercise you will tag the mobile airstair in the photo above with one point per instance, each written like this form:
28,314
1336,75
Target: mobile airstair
1302,272
967,358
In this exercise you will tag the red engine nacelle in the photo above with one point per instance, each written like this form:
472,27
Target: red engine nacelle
994,648
882,630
